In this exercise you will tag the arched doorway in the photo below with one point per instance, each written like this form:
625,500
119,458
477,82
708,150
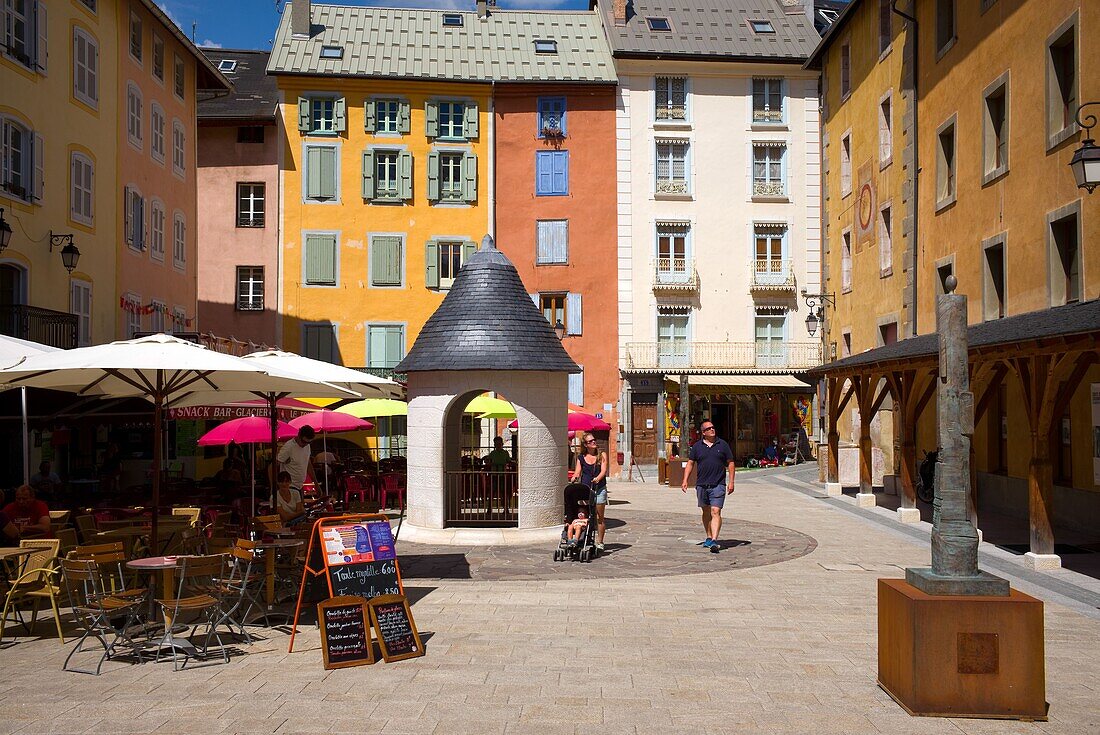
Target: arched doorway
476,494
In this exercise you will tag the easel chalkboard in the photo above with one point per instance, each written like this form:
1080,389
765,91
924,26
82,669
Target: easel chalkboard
345,632
355,555
393,622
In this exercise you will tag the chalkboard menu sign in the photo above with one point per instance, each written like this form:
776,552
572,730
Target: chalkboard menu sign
345,633
396,630
361,559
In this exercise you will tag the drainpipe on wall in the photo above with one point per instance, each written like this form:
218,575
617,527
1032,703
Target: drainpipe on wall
492,160
913,35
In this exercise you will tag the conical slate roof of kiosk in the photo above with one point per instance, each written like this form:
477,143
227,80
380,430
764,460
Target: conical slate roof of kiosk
487,322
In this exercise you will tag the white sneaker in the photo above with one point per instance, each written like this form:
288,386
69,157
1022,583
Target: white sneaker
599,547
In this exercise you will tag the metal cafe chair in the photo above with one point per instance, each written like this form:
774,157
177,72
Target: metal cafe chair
104,617
238,588
197,596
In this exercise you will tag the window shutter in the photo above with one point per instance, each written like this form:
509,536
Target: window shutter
368,174
561,172
40,51
469,176
395,345
321,260
369,108
39,166
469,247
403,116
431,264
559,110
303,114
328,173
433,176
560,240
543,233
139,222
128,216
431,119
386,261
573,315
340,115
469,121
311,181
405,172
544,172
576,387
75,180
376,347
535,301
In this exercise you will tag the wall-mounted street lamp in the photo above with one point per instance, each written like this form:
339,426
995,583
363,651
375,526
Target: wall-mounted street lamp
815,302
1086,159
559,330
70,254
5,232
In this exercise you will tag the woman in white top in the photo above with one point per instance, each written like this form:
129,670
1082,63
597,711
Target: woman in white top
288,501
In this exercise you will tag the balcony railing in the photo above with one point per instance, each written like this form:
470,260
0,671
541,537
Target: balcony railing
767,116
675,274
671,112
772,274
45,326
475,498
672,186
382,372
763,188
765,355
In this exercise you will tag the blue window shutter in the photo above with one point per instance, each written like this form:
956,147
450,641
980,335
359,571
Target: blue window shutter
573,314
369,108
368,174
560,112
303,114
560,172
576,387
544,172
431,264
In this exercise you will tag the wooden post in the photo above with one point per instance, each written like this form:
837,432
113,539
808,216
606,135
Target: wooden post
866,390
834,434
1040,483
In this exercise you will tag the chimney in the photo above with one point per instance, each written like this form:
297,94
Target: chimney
301,18
798,7
482,8
618,9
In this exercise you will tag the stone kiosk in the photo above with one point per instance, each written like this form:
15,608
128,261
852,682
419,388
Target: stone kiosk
487,335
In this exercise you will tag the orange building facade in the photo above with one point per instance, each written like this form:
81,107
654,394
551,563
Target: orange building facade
555,220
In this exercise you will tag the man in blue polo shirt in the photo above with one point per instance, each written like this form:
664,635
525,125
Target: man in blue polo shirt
712,456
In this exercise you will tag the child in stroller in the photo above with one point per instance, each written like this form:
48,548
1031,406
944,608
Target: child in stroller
578,542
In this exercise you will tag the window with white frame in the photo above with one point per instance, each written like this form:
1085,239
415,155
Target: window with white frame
156,320
19,175
156,230
945,164
134,223
179,151
768,175
771,329
135,36
85,67
156,132
325,115
673,263
133,114
250,288
82,201
846,164
1062,84
885,241
452,118
845,69
387,116
386,179
179,319
158,57
672,167
553,307
179,241
772,267
995,131
450,176
133,315
552,241
846,261
443,257
250,204
673,337
450,262
24,32
385,345
885,131
670,98
767,100
80,305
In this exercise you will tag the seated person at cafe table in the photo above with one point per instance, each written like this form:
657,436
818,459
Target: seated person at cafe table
288,501
45,482
498,459
9,534
30,516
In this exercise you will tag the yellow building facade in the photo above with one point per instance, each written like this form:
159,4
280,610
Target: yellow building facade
385,193
59,114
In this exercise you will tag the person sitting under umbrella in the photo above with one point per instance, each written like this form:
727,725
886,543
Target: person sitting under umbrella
288,501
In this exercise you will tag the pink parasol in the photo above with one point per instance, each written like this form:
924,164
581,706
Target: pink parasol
246,430
331,422
578,421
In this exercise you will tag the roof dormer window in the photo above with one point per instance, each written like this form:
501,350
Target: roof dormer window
545,46
659,24
332,52
227,65
762,26
452,19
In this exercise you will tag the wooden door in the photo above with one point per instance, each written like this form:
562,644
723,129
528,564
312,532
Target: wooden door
644,427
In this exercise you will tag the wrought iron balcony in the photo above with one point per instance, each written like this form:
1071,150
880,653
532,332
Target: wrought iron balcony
764,188
45,326
672,112
711,357
675,274
678,187
772,275
767,116
381,372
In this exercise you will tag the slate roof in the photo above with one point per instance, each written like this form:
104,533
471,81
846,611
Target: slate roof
1059,321
414,44
487,322
711,29
834,29
255,95
208,75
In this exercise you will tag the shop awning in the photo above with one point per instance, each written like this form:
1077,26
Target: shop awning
745,381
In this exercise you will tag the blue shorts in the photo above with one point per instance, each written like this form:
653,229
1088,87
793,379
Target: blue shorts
601,496
715,496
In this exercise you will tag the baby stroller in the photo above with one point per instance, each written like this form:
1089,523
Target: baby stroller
579,498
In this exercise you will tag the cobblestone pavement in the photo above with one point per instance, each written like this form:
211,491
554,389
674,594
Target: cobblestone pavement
781,647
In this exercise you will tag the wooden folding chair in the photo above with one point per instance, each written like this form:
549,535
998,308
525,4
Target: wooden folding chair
95,610
198,594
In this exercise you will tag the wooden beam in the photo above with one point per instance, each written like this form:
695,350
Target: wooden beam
990,390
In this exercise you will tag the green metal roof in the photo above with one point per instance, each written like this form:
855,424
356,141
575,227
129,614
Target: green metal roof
415,44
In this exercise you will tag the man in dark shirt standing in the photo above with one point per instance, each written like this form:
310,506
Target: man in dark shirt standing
712,456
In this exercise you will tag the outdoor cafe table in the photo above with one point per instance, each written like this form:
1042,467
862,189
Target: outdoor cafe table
10,565
271,549
166,565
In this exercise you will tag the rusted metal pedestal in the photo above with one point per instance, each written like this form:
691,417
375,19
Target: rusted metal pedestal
961,656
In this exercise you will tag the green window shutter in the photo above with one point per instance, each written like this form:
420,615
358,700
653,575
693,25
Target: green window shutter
313,173
433,176
376,347
431,119
469,177
320,260
327,169
340,115
395,345
303,114
469,247
431,264
469,121
405,175
573,314
368,174
386,261
403,116
368,116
